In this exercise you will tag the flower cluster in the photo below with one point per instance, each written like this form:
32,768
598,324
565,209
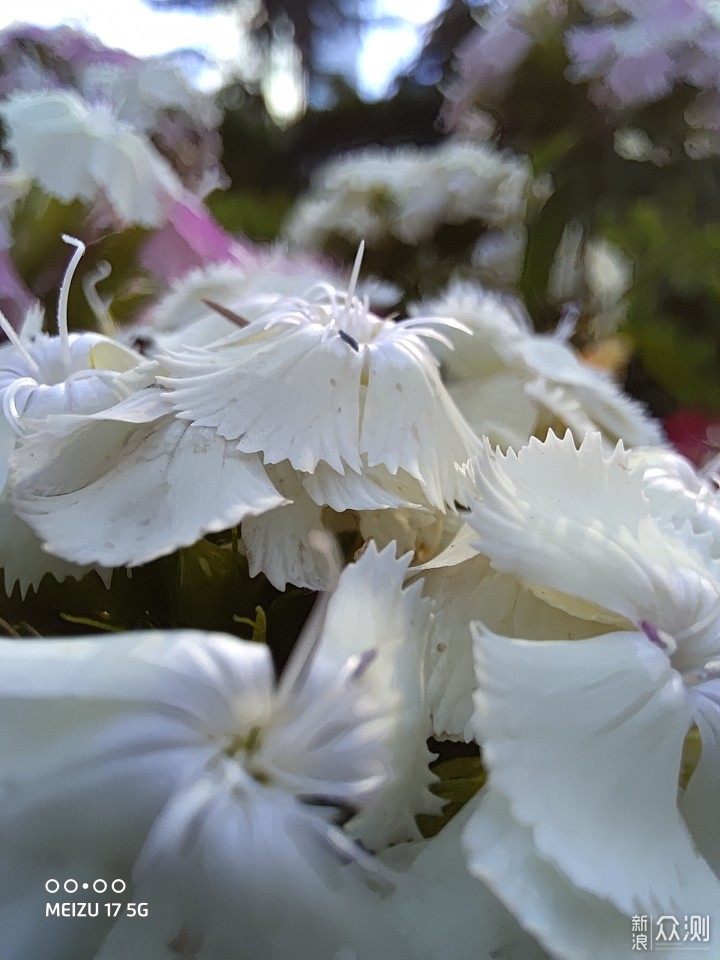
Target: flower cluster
197,439
113,142
636,52
150,96
406,195
409,193
632,52
496,731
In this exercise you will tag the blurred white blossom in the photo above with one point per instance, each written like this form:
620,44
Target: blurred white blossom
408,193
511,382
176,761
77,150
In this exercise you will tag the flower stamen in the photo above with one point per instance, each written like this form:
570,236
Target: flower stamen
657,637
62,313
16,341
99,309
351,341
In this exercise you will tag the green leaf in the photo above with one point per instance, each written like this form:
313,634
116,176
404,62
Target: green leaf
459,780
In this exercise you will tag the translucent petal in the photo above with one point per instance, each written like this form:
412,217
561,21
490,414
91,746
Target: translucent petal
460,913
367,490
418,531
566,920
278,541
276,889
410,422
468,591
496,407
370,611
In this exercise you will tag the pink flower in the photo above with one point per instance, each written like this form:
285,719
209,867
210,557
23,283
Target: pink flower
189,239
690,432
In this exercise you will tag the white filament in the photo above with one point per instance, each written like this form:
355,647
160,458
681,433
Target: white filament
15,340
62,319
99,308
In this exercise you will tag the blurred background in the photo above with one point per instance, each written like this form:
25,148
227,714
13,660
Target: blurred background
311,69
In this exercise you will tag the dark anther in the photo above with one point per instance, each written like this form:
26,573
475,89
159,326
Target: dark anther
349,340
143,344
225,312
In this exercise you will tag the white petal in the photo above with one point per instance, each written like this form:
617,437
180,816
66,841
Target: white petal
584,740
23,560
123,494
368,490
370,610
58,119
417,531
566,920
473,591
95,734
276,887
313,417
578,522
496,407
410,423
701,800
677,493
598,396
278,541
459,914
140,185
76,150
7,443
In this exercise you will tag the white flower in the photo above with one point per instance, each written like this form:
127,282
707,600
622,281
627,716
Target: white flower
501,356
441,908
104,473
175,761
75,150
358,393
42,376
139,91
68,373
132,483
583,740
247,286
592,272
408,193
467,591
363,424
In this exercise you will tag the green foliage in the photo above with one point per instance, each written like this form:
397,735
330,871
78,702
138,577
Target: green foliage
675,299
40,257
257,215
206,587
460,778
